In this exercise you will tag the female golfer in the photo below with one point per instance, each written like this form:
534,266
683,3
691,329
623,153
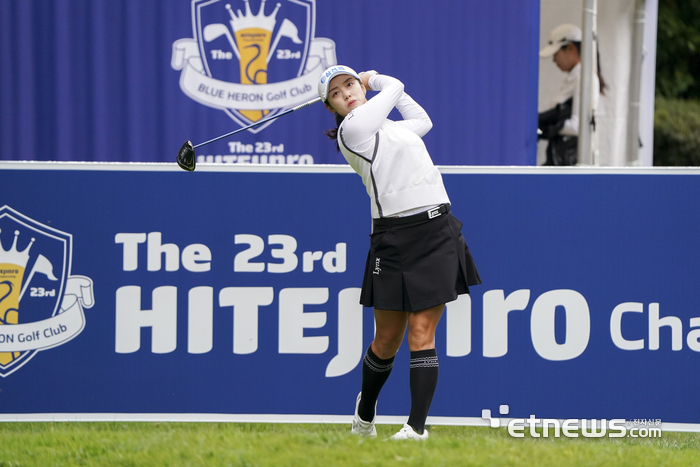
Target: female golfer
418,259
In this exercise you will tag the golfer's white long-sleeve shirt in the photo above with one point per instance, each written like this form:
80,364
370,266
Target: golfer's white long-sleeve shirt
390,156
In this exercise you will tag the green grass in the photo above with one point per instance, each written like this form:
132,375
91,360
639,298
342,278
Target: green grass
250,444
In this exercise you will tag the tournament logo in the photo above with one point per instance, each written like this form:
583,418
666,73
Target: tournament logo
252,59
41,303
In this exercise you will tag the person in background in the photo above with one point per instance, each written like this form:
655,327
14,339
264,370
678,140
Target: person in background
559,124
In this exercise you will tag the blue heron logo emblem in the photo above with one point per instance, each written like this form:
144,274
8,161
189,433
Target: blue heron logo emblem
250,58
41,302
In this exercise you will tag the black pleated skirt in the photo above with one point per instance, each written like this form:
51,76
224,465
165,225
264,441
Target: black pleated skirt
417,265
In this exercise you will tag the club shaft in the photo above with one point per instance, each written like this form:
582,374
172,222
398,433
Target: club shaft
301,106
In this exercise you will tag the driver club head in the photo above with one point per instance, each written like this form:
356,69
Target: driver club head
186,158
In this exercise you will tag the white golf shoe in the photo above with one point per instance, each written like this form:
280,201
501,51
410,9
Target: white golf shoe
408,433
361,427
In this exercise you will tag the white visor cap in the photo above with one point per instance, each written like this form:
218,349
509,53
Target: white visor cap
331,72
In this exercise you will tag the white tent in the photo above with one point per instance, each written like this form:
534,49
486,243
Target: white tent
626,29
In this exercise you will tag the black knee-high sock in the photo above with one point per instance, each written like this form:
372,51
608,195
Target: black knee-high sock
375,372
423,380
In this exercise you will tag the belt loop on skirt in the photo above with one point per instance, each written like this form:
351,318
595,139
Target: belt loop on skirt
426,215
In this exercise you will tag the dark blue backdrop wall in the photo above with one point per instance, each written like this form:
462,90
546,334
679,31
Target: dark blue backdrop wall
127,80
210,294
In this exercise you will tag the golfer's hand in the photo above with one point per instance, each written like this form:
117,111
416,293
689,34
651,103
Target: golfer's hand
365,76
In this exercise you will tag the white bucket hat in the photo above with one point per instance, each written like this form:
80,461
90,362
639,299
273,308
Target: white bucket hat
559,37
331,72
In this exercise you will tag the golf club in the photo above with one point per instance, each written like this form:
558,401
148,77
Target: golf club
186,157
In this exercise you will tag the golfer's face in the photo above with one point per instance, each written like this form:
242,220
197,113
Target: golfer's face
345,94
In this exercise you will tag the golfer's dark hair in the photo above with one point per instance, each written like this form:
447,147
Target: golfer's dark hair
333,132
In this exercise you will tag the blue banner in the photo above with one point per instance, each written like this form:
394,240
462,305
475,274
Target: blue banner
140,289
132,80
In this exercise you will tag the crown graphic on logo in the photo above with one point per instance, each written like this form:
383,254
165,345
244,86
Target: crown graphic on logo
13,256
249,20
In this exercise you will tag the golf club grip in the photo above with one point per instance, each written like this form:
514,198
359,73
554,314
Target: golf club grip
265,120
